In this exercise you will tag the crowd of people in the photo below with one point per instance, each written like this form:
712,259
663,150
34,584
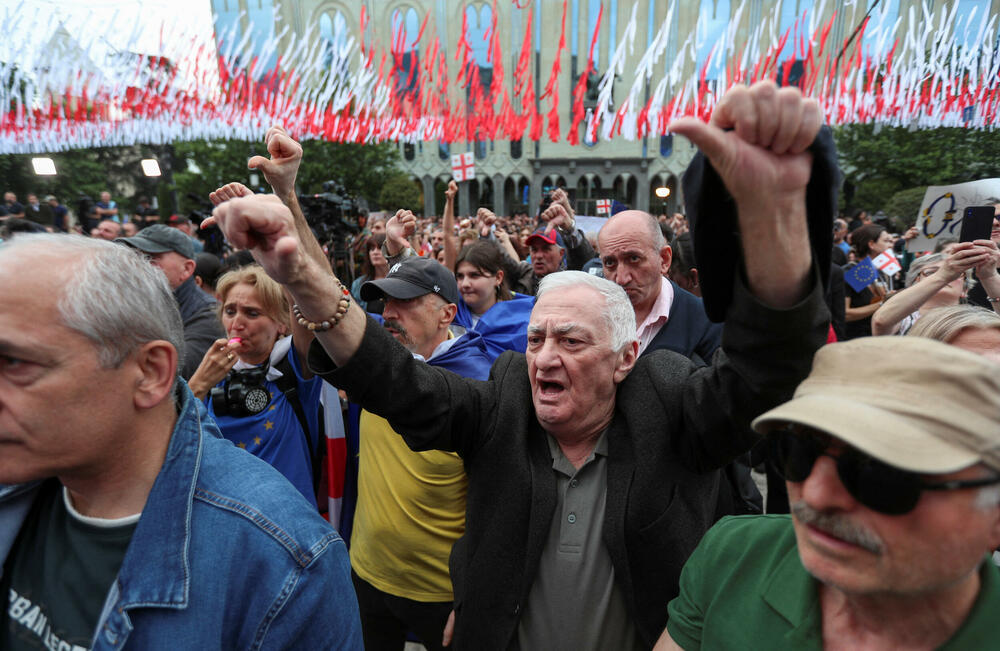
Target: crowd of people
500,431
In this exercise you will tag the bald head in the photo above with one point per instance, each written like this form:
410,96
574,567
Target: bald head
635,255
637,220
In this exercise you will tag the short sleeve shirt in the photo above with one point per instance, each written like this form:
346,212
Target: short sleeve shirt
745,581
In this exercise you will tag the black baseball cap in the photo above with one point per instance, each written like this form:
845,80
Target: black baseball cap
160,239
411,278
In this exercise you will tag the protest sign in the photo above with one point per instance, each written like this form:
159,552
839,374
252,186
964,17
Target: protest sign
941,212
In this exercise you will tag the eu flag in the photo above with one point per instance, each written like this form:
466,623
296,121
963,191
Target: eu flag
861,275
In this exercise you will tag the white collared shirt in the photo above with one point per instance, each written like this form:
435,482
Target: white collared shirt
657,317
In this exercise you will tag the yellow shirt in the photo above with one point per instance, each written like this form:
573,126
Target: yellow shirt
411,510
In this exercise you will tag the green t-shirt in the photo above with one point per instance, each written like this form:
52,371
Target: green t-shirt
58,575
744,587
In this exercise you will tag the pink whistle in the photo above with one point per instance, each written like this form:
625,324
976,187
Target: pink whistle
236,340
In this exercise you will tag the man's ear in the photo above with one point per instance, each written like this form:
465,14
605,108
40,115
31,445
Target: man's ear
157,370
666,256
627,361
448,312
189,266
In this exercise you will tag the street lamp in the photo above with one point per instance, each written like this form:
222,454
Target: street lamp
150,167
662,193
43,166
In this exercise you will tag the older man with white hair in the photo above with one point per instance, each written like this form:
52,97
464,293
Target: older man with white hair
591,475
892,467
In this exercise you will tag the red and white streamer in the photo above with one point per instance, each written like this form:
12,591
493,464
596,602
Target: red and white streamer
195,89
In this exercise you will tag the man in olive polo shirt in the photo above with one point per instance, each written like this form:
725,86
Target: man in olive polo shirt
893,474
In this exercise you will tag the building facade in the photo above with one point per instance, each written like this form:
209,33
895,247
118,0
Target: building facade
512,175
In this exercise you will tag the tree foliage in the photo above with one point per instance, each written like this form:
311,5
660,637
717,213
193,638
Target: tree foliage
399,192
877,164
360,169
82,173
198,168
905,205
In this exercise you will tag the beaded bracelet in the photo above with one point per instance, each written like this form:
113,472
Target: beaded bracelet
993,299
342,306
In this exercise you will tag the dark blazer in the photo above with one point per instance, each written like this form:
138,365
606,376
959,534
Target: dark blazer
672,424
687,330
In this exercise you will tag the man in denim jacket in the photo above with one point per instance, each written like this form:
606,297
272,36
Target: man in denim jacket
125,520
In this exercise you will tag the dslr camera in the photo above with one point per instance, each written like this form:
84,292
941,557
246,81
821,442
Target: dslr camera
242,394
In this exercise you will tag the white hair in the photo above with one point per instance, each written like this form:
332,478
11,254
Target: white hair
618,313
112,296
944,323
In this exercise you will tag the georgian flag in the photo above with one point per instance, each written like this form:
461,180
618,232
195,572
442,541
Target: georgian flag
336,451
463,167
886,263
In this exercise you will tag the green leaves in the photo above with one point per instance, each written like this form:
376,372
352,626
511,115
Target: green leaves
877,164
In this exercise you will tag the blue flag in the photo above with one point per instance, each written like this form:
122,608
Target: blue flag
861,275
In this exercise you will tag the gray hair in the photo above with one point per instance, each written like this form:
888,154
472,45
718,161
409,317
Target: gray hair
618,313
944,323
113,296
920,263
935,258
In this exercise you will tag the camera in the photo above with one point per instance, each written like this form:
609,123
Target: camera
243,394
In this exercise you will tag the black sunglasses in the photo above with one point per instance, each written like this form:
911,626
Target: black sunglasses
873,483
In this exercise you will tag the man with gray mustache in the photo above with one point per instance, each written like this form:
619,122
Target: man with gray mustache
891,453
411,505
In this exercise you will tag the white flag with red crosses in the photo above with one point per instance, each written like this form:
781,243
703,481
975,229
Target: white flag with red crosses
886,263
463,166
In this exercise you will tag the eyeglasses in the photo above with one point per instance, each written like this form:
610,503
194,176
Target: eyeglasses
873,483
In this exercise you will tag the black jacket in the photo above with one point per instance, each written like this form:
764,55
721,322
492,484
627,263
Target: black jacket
687,330
673,424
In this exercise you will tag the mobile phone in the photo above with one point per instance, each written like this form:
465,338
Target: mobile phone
977,223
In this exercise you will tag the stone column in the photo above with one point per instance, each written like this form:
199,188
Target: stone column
427,182
499,199
464,200
642,189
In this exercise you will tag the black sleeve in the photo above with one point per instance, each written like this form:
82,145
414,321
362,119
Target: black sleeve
578,250
765,354
716,238
433,409
837,302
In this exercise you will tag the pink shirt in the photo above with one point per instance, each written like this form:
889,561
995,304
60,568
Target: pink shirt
657,315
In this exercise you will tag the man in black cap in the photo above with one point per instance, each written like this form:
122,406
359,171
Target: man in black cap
411,506
171,251
184,225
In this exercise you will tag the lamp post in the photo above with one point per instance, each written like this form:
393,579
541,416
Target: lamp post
662,193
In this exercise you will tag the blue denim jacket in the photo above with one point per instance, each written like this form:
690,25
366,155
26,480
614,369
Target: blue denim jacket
227,555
